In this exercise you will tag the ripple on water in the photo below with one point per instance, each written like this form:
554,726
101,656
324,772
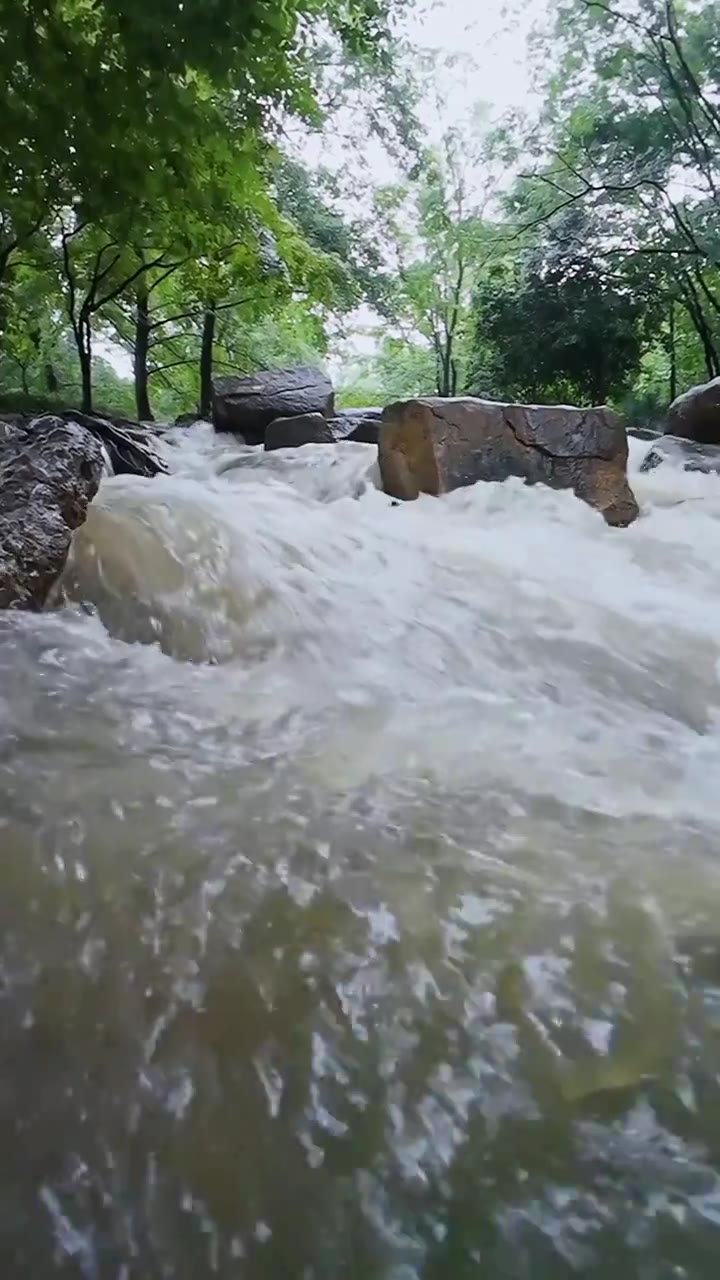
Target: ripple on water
359,883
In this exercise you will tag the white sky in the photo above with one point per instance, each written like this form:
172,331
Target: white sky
493,35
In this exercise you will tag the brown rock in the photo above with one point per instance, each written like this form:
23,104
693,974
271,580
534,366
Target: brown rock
434,446
696,414
49,472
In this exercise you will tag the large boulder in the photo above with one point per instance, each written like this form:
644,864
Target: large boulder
696,414
361,426
290,433
434,446
129,446
247,406
49,472
686,454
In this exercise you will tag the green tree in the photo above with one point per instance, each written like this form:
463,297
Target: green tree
559,322
115,107
631,131
399,370
434,229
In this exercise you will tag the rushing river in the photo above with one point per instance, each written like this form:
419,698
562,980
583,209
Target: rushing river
360,883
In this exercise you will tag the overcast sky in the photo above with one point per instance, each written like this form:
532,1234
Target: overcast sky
493,34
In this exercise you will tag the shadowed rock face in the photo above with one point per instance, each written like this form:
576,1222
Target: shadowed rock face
687,454
247,406
434,446
290,433
361,426
49,472
695,415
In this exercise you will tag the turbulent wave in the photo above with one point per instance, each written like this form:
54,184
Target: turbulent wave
359,883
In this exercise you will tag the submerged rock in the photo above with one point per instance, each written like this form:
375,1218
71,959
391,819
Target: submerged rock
695,415
248,405
644,433
434,446
361,426
688,454
290,433
49,472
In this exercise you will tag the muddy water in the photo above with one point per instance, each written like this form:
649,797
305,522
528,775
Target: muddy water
360,894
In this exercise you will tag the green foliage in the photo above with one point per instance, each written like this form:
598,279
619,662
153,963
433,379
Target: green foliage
136,147
345,260
560,325
439,241
114,394
399,370
104,98
631,132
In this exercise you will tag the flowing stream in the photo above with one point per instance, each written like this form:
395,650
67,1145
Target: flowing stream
360,888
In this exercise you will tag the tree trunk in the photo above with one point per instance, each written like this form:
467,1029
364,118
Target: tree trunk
694,309
445,370
206,360
140,357
83,342
672,351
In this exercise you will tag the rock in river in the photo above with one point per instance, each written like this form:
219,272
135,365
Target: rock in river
434,446
695,415
687,454
248,405
49,472
290,433
361,426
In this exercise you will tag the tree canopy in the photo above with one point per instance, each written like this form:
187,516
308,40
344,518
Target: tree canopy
152,203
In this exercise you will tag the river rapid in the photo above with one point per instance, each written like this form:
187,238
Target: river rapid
359,882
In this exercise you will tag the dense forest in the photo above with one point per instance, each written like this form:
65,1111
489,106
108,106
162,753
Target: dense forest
159,214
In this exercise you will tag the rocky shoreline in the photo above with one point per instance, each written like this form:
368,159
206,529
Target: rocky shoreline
51,466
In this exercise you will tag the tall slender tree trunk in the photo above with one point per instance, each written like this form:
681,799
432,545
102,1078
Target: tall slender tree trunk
83,341
672,351
140,357
206,359
445,366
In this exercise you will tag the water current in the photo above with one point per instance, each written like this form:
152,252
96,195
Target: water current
359,883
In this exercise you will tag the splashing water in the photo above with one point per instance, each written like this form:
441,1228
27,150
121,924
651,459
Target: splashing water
360,890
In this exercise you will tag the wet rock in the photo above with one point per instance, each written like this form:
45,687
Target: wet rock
695,415
290,433
434,446
361,426
687,454
248,405
49,472
644,433
130,445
